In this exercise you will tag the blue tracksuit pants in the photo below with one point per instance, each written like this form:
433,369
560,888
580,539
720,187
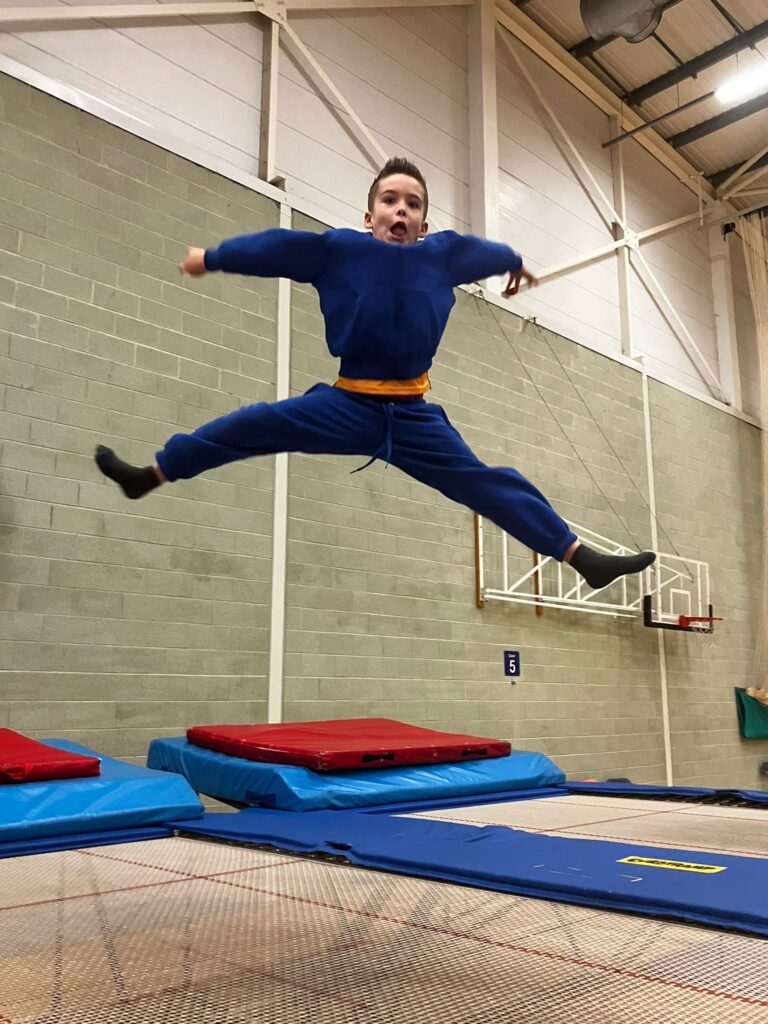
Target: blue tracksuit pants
414,435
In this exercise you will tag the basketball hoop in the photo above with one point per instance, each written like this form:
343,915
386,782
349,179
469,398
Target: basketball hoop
699,623
702,626
679,623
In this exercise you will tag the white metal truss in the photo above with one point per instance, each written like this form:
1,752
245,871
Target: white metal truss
678,586
725,314
507,14
369,143
534,38
269,81
622,255
628,239
724,386
199,8
277,29
121,12
740,178
483,121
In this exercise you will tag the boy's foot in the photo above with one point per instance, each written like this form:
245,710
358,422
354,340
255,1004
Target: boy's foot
134,481
599,570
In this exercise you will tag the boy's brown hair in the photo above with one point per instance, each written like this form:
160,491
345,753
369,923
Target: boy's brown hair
398,165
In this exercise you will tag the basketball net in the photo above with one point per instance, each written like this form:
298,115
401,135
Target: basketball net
754,235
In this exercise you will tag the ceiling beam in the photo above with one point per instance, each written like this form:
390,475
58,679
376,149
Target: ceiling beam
557,57
715,124
203,8
104,12
327,5
694,66
589,46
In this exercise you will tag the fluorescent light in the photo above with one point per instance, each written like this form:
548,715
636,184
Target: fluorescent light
750,83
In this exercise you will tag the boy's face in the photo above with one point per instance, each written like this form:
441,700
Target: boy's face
398,211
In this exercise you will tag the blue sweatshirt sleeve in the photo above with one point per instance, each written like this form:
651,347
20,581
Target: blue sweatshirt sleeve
277,252
471,258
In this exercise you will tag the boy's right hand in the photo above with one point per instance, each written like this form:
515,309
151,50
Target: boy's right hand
193,263
513,284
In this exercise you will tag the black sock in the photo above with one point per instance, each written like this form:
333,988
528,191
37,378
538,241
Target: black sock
600,570
135,481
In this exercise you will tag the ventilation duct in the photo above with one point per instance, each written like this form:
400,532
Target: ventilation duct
634,20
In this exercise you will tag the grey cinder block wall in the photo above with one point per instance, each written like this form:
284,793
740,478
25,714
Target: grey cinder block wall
123,621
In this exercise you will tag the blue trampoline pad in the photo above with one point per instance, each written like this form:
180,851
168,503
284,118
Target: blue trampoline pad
725,891
685,792
124,796
83,840
288,788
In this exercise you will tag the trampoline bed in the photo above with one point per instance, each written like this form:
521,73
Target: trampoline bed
661,823
682,860
192,931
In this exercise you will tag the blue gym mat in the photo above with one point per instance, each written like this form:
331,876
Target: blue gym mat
726,891
288,788
124,796
81,840
633,789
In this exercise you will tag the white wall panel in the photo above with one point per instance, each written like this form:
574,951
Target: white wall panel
444,28
545,211
200,80
680,262
333,158
410,95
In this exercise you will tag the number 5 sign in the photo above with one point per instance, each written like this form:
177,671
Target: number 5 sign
512,663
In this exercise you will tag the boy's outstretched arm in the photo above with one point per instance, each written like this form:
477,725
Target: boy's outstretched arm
471,259
277,252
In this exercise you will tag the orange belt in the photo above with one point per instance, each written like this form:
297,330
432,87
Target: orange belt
396,388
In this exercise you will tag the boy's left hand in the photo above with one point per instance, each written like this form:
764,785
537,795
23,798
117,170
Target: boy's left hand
193,263
513,284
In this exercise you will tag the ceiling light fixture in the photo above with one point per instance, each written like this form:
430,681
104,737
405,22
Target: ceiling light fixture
749,83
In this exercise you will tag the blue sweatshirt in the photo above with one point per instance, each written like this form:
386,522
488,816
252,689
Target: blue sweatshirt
385,305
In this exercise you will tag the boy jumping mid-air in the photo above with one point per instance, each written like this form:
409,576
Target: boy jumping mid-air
385,295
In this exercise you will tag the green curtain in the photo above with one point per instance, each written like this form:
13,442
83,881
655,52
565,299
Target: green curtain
753,716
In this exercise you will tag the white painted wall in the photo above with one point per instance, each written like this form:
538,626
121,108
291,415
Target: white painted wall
404,72
545,213
680,262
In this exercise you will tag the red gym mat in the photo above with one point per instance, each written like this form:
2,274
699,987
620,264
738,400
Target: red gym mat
348,743
26,760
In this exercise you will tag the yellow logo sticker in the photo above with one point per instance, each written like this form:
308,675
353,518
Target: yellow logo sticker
673,865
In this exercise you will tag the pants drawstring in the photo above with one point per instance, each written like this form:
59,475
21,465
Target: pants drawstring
386,445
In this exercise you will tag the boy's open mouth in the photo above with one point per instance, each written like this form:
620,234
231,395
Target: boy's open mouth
399,229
